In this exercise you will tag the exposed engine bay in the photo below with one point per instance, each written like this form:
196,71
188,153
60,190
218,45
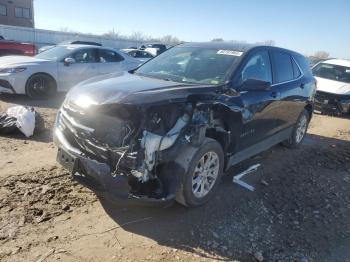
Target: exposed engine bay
139,142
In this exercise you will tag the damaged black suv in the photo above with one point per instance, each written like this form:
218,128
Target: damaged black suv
170,129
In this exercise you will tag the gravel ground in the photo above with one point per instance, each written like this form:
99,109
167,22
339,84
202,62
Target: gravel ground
299,211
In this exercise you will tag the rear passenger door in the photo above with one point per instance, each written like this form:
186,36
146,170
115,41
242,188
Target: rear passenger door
110,61
288,83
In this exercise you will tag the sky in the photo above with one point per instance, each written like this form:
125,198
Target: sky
305,26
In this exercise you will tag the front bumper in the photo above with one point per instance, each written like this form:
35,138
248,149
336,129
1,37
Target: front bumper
13,83
332,102
97,176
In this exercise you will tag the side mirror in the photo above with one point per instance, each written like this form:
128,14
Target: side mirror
255,85
68,61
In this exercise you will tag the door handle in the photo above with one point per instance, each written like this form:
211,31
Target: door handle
302,86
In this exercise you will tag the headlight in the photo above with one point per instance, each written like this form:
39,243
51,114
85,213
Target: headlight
12,70
84,101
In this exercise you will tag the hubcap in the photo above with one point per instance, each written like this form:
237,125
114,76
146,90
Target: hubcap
301,129
205,174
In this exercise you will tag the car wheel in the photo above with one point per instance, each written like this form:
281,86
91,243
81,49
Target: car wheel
203,175
299,130
40,86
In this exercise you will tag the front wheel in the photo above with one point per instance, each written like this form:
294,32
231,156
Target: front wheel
299,130
40,86
203,175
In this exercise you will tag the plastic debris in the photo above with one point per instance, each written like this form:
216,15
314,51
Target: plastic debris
18,117
237,178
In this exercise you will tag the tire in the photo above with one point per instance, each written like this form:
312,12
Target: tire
299,130
190,190
40,86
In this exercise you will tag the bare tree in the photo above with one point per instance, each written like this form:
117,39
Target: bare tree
169,39
217,40
115,34
138,36
321,54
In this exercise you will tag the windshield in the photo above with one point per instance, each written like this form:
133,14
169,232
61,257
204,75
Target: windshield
191,65
332,72
56,53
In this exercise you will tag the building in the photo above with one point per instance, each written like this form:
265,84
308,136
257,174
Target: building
17,13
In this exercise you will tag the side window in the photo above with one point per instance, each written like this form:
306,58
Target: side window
109,56
258,67
144,54
296,70
85,56
284,67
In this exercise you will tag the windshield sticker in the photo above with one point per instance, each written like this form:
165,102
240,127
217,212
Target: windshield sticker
347,70
229,52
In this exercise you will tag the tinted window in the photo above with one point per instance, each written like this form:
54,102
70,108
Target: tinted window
85,56
108,56
258,67
296,70
141,54
304,64
284,67
333,72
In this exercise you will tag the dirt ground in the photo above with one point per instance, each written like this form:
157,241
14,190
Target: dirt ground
299,211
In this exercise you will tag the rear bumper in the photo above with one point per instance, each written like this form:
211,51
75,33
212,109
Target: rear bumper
98,177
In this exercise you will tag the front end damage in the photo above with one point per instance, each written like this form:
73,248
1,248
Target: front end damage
134,152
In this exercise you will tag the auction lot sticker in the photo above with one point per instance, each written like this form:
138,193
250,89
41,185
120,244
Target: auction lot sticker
229,52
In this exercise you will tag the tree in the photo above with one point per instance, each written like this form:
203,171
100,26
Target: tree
217,40
138,36
321,54
113,34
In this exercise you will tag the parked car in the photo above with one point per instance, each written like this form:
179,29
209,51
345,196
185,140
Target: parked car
333,86
59,68
9,47
156,49
70,42
170,129
141,55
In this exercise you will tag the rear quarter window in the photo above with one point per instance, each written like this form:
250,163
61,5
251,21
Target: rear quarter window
283,67
304,64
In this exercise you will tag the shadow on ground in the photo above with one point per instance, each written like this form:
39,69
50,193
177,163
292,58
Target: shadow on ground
23,100
299,210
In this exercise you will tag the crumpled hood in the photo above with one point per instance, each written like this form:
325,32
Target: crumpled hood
15,61
131,89
331,86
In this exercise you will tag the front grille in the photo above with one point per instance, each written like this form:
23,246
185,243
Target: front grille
329,98
93,133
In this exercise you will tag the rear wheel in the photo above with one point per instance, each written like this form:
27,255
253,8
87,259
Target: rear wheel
299,130
40,86
203,175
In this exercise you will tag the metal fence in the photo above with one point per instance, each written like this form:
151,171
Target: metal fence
42,37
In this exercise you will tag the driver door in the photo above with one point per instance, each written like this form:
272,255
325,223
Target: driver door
84,67
260,104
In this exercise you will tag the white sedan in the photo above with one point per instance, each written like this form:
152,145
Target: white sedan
59,68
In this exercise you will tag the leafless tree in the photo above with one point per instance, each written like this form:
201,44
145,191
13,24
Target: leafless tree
217,40
321,54
115,34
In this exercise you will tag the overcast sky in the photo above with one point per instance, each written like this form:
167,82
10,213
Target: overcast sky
305,26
